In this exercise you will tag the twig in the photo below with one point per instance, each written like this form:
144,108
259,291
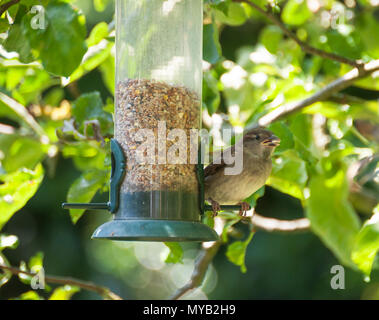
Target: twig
207,254
332,88
304,46
280,226
90,286
4,7
201,266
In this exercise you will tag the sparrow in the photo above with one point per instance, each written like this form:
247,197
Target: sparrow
256,147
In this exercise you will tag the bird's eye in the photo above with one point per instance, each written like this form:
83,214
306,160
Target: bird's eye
257,136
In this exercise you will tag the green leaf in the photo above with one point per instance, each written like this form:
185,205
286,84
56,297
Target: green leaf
284,133
84,189
64,293
98,33
236,252
92,60
208,219
367,244
29,295
289,174
4,25
100,5
61,45
252,200
211,94
20,152
348,46
24,278
89,106
233,14
17,41
5,275
8,241
296,12
16,189
36,262
231,220
270,37
332,217
211,45
175,254
107,68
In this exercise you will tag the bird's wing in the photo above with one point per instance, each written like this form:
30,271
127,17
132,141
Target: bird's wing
212,168
218,164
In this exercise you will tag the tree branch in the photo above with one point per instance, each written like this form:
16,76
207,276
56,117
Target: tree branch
201,266
323,94
280,226
304,46
90,286
207,254
4,7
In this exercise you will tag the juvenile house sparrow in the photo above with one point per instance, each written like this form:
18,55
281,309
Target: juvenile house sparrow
221,189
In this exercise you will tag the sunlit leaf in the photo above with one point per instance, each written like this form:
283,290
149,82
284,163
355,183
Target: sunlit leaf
36,262
64,293
98,33
84,189
100,5
367,244
237,250
296,12
8,241
5,275
16,189
29,295
175,254
20,152
271,37
233,14
61,44
332,217
289,174
95,56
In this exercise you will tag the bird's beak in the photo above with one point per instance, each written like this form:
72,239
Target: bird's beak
273,141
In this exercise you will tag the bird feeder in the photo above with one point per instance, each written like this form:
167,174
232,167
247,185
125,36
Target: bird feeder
154,187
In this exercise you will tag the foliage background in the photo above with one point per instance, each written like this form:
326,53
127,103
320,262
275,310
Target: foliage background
56,100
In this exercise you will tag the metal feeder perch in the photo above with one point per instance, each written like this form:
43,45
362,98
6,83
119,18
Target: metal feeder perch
158,85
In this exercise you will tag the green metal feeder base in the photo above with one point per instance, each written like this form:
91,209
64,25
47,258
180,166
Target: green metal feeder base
155,230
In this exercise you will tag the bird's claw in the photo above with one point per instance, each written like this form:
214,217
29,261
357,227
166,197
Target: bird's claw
244,207
215,207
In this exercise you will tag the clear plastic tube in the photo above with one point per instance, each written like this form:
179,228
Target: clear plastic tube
158,97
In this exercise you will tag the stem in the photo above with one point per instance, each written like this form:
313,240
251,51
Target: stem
279,226
304,46
337,85
90,286
4,7
206,255
201,266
